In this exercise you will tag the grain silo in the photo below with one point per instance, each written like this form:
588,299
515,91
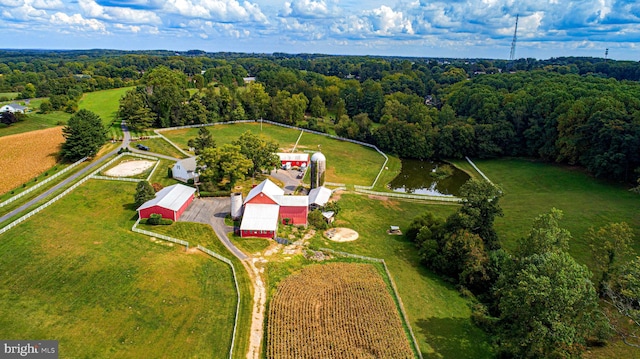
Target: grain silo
318,169
236,205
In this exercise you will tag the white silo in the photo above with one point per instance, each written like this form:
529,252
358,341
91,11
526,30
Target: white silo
236,205
318,169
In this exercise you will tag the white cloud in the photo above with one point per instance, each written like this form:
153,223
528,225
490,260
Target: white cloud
24,12
118,14
386,21
77,22
307,9
47,4
217,10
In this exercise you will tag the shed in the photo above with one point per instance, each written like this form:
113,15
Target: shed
319,196
293,209
185,170
170,202
259,220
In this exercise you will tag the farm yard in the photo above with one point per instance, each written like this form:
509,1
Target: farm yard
26,155
335,310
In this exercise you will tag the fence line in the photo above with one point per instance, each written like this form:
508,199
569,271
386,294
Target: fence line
174,145
478,170
158,235
31,189
393,287
421,197
335,184
153,170
123,179
235,281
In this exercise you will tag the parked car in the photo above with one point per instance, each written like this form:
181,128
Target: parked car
142,147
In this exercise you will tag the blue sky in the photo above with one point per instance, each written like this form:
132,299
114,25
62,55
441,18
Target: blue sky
428,28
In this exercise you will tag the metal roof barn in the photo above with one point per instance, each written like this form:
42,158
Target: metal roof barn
170,202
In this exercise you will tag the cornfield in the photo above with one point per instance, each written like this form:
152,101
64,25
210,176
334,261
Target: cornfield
336,310
26,155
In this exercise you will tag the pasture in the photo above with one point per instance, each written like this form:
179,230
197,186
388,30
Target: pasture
439,316
532,188
346,162
77,274
159,145
24,156
330,310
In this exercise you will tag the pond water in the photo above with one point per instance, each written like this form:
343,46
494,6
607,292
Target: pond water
415,177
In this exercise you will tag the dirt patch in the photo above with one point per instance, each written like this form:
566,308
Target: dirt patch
130,168
379,198
341,234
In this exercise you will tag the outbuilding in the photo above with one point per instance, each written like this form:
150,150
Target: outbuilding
185,170
170,202
260,220
318,197
294,159
13,107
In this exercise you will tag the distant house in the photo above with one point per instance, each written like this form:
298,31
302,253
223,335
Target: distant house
13,107
170,202
266,206
185,170
247,80
289,160
318,197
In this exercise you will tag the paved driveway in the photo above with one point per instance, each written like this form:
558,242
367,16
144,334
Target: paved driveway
289,178
212,211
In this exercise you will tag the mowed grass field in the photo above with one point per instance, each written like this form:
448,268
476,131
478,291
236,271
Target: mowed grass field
532,188
77,274
439,316
347,162
103,103
159,145
331,310
26,155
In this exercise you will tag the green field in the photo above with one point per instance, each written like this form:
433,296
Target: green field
532,188
346,162
77,274
36,121
105,104
159,145
9,95
440,317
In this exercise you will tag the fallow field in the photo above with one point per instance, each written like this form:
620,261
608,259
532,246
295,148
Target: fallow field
26,155
335,310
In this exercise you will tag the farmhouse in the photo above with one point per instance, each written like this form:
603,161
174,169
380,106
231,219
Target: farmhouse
185,170
289,160
170,202
266,206
13,107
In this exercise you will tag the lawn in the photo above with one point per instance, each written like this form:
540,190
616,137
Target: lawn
77,274
9,95
440,317
36,121
532,188
103,103
159,145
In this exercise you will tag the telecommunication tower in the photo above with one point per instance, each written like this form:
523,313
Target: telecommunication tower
512,55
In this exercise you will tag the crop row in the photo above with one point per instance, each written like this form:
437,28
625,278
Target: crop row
336,310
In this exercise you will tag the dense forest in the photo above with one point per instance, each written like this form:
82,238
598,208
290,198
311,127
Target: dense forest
578,111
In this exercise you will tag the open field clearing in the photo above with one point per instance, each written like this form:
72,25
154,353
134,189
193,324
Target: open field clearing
439,316
76,273
532,188
103,103
346,162
9,95
36,121
159,145
335,310
222,134
24,156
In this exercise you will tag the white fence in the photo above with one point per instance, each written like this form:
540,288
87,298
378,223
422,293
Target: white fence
478,170
158,235
420,197
393,287
235,281
31,189
123,179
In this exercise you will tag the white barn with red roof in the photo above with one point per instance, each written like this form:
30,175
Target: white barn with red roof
170,202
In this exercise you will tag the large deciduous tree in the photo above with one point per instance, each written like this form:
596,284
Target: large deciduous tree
135,111
224,165
166,92
261,151
202,141
84,135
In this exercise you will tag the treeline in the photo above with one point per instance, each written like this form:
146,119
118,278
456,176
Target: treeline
579,111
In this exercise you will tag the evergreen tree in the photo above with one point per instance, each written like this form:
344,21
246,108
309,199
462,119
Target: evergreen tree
84,135
144,192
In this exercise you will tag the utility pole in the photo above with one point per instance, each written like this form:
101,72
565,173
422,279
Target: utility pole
512,55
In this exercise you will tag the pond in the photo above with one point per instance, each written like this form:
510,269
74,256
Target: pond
429,178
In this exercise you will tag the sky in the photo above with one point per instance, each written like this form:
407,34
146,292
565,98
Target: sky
422,28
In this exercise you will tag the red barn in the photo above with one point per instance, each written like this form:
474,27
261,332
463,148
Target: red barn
266,206
294,159
170,202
